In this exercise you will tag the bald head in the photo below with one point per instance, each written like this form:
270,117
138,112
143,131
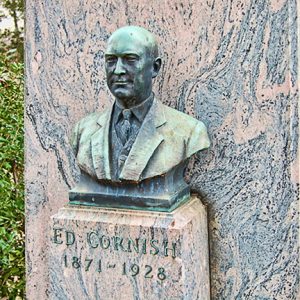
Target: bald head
136,35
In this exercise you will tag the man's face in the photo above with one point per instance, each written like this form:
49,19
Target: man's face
128,66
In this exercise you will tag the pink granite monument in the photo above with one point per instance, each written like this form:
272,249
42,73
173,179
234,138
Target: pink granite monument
124,254
131,229
232,65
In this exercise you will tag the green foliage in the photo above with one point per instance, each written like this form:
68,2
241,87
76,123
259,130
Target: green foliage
12,244
11,43
11,40
14,6
12,264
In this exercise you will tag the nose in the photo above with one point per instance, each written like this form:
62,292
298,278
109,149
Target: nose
119,70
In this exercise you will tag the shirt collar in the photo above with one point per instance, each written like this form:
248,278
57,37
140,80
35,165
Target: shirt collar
139,111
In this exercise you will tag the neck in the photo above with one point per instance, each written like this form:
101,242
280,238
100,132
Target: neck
132,102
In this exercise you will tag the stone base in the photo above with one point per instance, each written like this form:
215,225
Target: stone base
101,253
160,193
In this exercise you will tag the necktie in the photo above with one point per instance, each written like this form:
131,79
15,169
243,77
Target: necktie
125,131
125,126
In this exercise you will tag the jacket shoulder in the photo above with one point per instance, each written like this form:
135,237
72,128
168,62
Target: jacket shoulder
85,127
179,119
91,119
193,130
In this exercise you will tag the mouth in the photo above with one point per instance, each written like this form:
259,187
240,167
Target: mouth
121,83
120,80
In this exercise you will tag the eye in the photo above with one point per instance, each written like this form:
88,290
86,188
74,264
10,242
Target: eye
131,58
110,59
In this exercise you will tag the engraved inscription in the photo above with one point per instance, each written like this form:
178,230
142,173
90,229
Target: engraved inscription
133,270
95,240
58,238
117,243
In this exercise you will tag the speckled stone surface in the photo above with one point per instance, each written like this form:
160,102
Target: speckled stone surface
231,64
97,253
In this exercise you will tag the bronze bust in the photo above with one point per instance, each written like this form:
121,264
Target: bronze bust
134,153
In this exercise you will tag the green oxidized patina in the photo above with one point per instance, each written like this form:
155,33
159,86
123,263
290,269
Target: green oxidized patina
131,56
133,154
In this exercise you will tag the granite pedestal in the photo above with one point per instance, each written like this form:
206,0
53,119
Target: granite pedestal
102,253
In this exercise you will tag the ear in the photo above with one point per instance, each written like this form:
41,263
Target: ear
156,66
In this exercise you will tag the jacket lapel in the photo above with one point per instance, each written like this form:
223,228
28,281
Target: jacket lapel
145,144
100,146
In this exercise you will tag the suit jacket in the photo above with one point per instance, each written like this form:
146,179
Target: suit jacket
166,138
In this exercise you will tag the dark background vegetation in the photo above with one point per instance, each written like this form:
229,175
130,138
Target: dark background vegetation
12,245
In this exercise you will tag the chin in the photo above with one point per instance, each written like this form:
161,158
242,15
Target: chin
122,94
